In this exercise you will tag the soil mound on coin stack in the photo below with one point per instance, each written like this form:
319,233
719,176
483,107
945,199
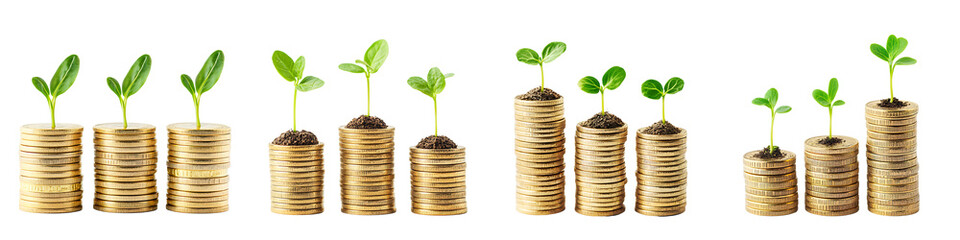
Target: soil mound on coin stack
436,142
366,122
296,138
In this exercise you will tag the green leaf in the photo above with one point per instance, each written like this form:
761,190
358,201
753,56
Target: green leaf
901,45
878,51
114,86
285,66
590,85
761,102
309,83
784,109
41,86
553,50
674,85
420,85
821,97
772,97
448,75
435,79
652,89
350,67
528,56
65,76
188,83
839,103
210,73
299,65
832,90
137,75
376,55
614,77
906,61
892,49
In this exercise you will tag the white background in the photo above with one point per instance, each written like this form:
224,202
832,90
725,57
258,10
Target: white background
728,53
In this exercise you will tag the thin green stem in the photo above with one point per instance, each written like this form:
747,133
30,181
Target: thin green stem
542,81
294,107
663,109
436,124
773,115
123,108
196,107
830,135
603,104
52,103
368,93
891,81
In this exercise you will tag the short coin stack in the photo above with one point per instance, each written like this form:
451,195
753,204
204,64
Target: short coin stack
771,184
539,149
198,160
50,168
366,171
893,172
832,187
126,167
661,173
296,179
600,170
438,181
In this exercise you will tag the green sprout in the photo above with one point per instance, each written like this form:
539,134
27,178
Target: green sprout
372,60
132,83
207,77
293,72
550,53
435,83
826,99
770,101
895,46
652,89
611,80
62,80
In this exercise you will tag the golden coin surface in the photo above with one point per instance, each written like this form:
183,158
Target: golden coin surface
49,138
49,205
131,198
873,108
127,192
51,210
50,144
38,188
297,211
125,143
150,149
137,137
48,129
197,210
297,148
196,173
126,163
119,129
197,142
203,129
847,144
125,210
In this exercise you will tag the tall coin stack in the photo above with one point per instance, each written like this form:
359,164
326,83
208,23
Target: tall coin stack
661,173
296,179
438,178
197,167
539,148
771,184
600,170
125,165
893,172
50,168
366,171
832,187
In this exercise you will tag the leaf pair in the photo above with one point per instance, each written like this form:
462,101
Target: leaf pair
652,89
207,77
770,101
895,46
136,77
826,99
374,57
62,79
292,71
550,53
435,83
611,80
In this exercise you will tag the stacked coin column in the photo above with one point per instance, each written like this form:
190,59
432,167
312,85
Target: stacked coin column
438,181
126,167
893,172
50,168
539,150
197,165
771,184
832,187
600,170
366,171
296,179
661,173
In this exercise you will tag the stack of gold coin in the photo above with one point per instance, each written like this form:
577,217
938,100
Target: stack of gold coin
197,164
661,173
366,171
296,179
893,172
539,149
832,187
50,168
771,184
600,170
438,178
126,164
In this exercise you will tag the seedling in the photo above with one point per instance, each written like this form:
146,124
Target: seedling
293,72
826,99
435,83
372,60
770,101
652,89
207,77
132,83
611,80
550,53
62,80
895,46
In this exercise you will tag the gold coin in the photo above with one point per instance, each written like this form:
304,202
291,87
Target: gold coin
132,198
296,200
388,129
766,164
197,210
198,149
873,109
833,213
196,173
769,171
894,173
125,185
47,129
810,187
126,163
124,144
127,192
30,149
49,161
296,195
125,173
191,155
769,178
50,181
439,212
178,203
116,168
199,187
198,167
149,149
899,202
50,168
113,204
891,136
50,200
136,137
439,207
203,129
179,192
297,211
847,144
126,156
664,137
901,212
40,174
50,188
837,169
298,148
892,181
198,143
50,138
46,156
893,195
51,210
599,213
125,210
792,183
367,212
119,129
50,144
29,204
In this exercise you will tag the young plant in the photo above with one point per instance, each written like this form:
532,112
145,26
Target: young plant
435,83
895,46
826,99
62,80
770,101
611,80
652,89
293,72
550,53
132,83
372,60
205,80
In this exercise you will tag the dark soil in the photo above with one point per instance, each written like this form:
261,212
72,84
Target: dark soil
885,103
366,122
536,95
296,138
661,128
607,120
830,141
436,142
766,154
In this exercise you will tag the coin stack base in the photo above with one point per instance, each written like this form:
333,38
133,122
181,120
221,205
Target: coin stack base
366,171
600,170
126,164
661,173
197,165
771,184
539,149
832,185
438,181
296,179
892,168
50,180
